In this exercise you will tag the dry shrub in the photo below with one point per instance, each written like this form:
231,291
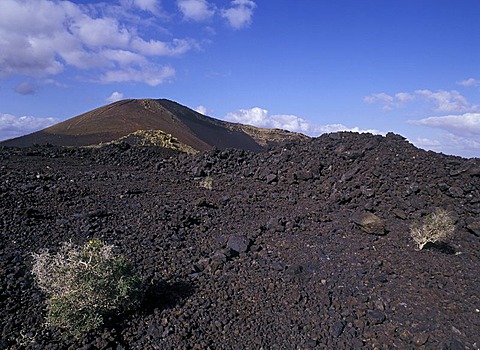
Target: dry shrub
85,284
437,227
207,183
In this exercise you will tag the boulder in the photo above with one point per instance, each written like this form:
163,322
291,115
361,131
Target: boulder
238,243
370,223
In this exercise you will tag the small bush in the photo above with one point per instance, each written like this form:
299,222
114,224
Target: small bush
85,284
437,227
207,183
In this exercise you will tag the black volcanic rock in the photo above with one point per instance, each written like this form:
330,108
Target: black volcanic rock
307,277
238,243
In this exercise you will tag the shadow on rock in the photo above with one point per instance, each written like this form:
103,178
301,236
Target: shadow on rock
166,295
442,247
161,295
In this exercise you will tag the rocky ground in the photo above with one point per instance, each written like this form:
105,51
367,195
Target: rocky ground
252,251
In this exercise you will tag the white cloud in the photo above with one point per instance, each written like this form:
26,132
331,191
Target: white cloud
389,102
468,82
437,144
461,134
196,10
442,101
467,147
380,97
254,116
446,101
160,48
152,6
123,57
42,38
98,32
114,97
448,143
240,14
152,76
261,117
403,98
427,143
458,130
12,126
202,110
465,125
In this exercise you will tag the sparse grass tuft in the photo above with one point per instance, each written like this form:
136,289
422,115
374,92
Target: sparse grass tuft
437,227
85,284
207,183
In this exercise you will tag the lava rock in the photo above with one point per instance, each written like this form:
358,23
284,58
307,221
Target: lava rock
474,227
295,250
238,243
370,223
420,339
337,329
376,317
271,178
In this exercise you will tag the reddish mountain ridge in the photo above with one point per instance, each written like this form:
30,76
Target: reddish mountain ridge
122,118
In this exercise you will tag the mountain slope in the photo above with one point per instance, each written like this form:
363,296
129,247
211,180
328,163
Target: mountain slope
122,118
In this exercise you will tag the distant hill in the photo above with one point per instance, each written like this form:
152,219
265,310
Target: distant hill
136,120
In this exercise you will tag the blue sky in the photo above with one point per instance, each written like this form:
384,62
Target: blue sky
314,66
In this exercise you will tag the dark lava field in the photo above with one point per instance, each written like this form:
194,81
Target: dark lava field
244,250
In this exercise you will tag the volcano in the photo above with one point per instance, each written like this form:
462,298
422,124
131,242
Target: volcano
122,119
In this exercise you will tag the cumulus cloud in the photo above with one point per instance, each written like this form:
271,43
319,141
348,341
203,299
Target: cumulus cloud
464,125
114,97
389,102
468,82
446,101
262,118
441,101
159,48
196,10
151,75
152,6
41,38
12,126
461,134
380,97
239,14
403,97
124,57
